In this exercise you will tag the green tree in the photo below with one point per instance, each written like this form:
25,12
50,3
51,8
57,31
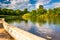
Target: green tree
41,10
18,12
25,11
10,12
57,10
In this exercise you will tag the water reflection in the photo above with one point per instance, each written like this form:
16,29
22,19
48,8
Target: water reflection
42,27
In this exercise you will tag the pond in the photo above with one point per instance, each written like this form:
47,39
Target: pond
42,27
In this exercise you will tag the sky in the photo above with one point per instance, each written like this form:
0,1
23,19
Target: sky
29,4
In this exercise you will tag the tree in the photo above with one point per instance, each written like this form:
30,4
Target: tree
41,10
41,7
49,12
18,12
25,11
0,11
57,10
33,13
10,12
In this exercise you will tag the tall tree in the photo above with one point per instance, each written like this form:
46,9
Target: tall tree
18,12
25,11
41,10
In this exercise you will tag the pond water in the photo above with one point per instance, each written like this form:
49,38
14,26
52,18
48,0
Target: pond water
43,28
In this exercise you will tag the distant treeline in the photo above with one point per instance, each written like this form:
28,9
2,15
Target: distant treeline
4,11
40,11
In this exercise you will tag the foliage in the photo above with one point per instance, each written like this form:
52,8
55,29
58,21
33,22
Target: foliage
40,12
4,11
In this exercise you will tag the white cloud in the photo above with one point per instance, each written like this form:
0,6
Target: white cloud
42,2
3,5
16,4
56,4
21,4
53,5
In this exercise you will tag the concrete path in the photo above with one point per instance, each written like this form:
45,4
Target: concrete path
4,35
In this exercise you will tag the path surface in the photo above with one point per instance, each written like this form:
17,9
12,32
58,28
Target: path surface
4,35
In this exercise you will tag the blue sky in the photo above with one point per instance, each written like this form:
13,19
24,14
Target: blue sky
29,4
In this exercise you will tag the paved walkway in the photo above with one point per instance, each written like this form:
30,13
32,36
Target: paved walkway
4,35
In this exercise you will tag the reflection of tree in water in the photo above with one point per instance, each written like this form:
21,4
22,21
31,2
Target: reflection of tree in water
53,20
11,19
49,20
33,19
40,20
15,20
56,20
